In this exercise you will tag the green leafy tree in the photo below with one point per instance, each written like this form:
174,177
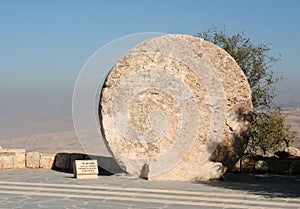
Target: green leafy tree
268,126
269,130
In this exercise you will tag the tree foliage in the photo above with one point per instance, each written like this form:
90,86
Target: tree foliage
268,127
269,132
254,60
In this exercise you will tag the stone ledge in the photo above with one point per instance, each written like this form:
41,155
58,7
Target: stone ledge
19,158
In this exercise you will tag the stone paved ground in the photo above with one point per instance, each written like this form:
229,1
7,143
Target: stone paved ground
38,188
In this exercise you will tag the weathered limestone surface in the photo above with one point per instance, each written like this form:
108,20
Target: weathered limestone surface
46,160
20,158
7,161
174,107
12,158
32,159
292,151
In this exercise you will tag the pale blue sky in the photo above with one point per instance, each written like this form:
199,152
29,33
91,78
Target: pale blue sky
44,44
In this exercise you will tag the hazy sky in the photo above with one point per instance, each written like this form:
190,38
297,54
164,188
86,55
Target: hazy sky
44,44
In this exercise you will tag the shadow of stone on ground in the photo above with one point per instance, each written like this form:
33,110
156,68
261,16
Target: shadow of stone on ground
270,186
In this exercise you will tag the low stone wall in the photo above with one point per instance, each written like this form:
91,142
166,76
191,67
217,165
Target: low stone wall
264,165
39,160
19,158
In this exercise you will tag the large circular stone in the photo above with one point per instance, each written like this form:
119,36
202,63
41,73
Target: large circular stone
173,103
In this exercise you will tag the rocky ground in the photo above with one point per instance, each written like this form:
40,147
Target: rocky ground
293,119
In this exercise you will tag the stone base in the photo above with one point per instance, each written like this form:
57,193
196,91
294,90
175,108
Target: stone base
192,171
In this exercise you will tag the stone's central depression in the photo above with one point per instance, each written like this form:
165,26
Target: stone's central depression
174,108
